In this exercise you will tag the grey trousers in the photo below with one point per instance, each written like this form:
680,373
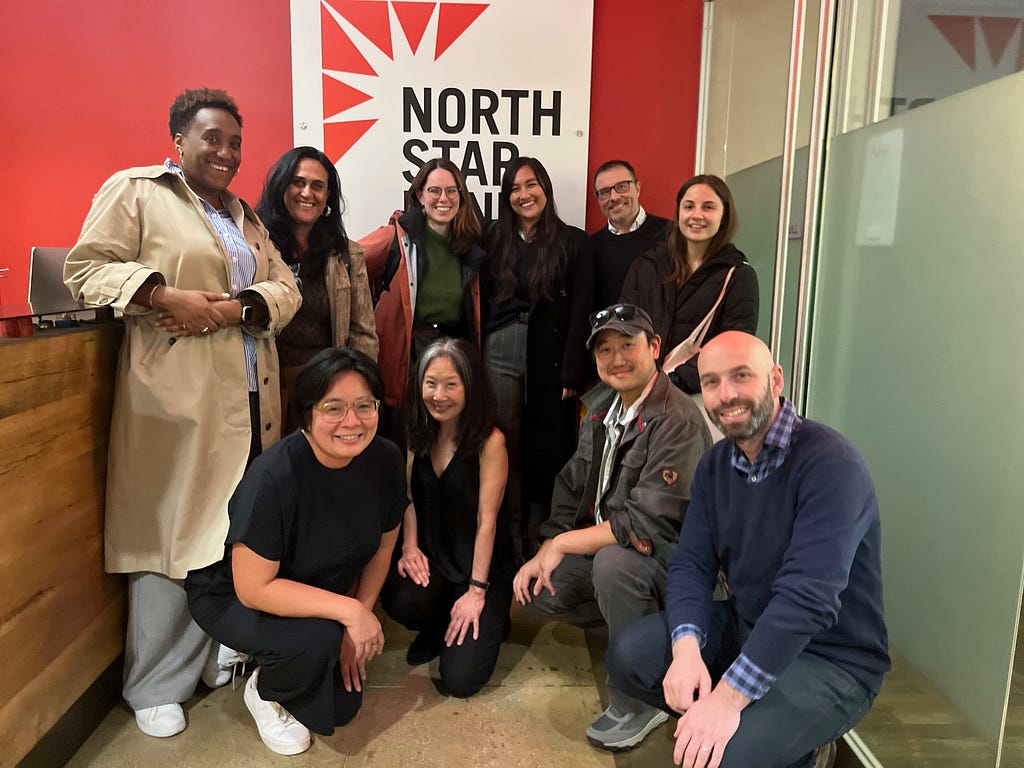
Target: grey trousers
505,359
613,588
164,649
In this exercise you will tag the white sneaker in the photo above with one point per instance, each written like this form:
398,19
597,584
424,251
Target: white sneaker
221,665
161,721
281,732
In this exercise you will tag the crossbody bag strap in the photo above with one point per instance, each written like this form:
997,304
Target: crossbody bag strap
697,337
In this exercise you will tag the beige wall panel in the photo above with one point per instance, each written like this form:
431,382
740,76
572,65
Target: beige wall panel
750,53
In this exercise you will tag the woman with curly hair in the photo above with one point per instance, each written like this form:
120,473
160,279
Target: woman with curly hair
204,292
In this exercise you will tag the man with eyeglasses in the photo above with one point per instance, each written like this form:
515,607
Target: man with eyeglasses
630,231
618,504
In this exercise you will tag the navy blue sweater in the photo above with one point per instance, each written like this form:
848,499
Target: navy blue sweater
801,550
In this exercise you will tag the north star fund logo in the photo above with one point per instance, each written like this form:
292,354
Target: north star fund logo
363,42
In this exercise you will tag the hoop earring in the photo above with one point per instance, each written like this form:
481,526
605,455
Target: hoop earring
327,211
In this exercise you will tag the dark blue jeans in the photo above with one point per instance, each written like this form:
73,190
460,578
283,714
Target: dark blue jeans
811,703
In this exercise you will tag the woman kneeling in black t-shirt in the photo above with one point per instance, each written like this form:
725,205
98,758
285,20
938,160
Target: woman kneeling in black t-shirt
312,527
453,581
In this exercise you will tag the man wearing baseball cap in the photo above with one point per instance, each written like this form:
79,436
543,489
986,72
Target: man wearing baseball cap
618,504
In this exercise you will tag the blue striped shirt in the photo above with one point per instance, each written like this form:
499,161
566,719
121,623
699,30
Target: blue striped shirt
243,268
744,675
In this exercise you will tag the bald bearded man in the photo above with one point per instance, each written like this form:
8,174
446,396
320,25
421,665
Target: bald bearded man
786,508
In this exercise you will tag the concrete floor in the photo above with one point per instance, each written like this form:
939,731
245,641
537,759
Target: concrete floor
548,686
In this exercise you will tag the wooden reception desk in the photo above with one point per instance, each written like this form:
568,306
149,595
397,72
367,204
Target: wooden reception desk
61,616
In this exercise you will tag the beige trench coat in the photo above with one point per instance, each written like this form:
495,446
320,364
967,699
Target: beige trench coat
180,432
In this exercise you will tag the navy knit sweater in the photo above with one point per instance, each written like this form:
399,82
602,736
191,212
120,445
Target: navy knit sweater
801,550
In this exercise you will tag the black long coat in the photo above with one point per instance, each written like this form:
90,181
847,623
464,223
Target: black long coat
557,357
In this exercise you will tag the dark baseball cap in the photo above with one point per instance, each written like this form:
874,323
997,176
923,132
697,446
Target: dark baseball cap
627,319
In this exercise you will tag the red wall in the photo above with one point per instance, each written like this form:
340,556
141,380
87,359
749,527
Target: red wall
87,86
643,95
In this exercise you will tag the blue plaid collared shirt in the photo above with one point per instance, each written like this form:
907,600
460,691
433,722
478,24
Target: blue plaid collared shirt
774,450
243,268
744,675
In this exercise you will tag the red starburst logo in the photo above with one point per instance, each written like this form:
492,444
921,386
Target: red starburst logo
361,37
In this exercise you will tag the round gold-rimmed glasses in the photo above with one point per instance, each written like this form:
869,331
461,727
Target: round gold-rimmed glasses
334,411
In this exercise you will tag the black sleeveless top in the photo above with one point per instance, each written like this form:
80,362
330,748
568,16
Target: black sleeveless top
446,511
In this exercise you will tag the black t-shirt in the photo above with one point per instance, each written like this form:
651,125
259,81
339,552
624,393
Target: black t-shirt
322,525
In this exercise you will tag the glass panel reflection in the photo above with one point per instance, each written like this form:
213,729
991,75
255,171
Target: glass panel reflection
913,325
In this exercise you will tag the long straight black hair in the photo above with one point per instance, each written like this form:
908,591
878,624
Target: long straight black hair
504,244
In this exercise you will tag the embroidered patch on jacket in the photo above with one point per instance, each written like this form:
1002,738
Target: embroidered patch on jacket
669,475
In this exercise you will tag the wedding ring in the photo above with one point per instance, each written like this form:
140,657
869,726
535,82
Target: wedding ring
184,327
206,329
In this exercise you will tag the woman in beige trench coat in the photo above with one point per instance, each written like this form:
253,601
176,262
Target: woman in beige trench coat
204,293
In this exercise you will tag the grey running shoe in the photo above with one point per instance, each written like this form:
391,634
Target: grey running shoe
615,730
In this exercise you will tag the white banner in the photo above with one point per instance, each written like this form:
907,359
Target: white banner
383,86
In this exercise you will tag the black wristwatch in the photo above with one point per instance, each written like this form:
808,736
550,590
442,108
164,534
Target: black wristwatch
484,585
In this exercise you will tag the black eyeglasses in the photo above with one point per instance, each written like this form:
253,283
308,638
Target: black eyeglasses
623,312
621,188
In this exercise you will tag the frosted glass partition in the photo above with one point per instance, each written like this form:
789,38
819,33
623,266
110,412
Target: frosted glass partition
755,191
917,354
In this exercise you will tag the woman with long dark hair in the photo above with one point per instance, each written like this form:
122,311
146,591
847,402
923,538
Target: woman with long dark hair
453,581
678,282
538,295
301,205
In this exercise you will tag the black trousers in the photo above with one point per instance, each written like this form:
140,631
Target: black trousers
466,668
298,661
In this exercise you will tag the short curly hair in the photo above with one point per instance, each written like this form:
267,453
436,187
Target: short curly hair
187,104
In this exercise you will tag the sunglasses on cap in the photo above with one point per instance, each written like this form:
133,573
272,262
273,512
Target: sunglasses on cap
624,312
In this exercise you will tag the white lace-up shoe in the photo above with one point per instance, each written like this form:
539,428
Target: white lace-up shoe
221,666
281,732
161,721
